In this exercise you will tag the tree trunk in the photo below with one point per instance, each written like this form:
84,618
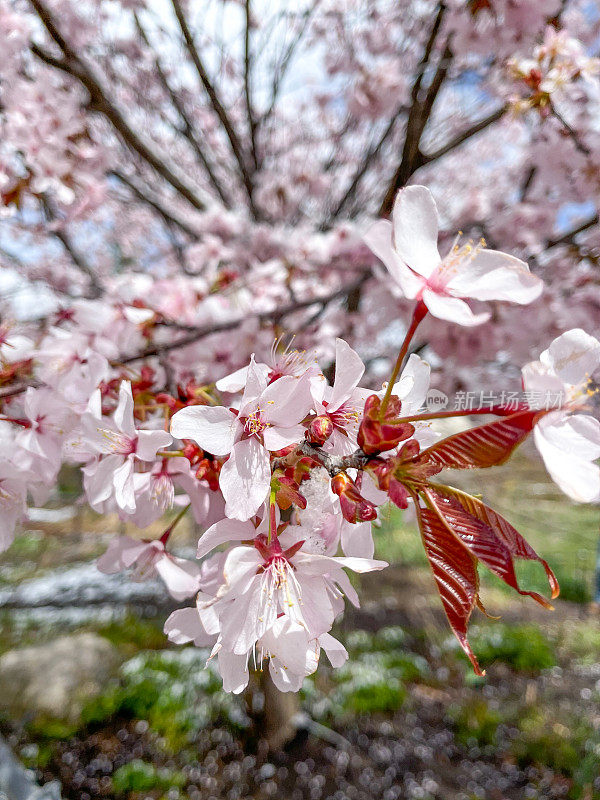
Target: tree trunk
280,713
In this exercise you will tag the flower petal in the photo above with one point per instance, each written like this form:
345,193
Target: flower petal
181,577
213,428
124,411
492,275
184,625
574,356
413,384
415,220
451,309
379,239
226,530
149,442
349,369
245,479
577,477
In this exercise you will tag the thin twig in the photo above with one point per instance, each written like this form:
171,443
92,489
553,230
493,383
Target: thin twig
188,130
216,104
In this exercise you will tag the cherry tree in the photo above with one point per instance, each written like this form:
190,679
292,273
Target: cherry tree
194,183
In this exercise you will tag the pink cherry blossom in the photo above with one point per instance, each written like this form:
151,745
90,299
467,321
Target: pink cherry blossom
121,446
13,494
268,420
568,441
149,559
344,401
408,248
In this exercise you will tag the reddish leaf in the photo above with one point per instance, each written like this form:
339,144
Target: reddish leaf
482,540
455,573
484,446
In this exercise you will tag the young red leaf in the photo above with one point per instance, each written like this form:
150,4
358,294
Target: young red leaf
484,446
455,573
481,540
504,533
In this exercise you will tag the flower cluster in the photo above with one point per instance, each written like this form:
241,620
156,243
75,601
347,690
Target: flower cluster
286,466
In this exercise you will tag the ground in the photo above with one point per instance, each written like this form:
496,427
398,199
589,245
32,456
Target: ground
405,718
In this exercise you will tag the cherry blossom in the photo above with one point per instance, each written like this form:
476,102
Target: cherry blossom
121,445
568,441
205,272
267,420
13,494
149,558
408,248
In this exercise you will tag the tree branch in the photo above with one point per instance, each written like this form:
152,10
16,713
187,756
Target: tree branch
280,71
247,87
567,238
334,464
76,257
215,102
200,332
73,65
169,218
188,129
460,138
419,114
367,161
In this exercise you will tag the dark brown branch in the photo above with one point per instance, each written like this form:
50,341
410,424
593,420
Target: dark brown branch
168,217
526,184
17,389
460,138
360,172
334,464
281,69
73,65
571,131
188,130
247,86
76,257
419,113
200,332
567,238
216,104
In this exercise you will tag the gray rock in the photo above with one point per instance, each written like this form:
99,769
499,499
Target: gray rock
55,679
17,783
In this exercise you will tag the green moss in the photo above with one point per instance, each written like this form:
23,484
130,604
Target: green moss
134,633
568,746
390,638
523,647
139,776
36,756
475,722
27,545
376,698
582,642
51,729
173,692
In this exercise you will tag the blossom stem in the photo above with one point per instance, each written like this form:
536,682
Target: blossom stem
169,453
179,516
499,411
418,315
24,423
